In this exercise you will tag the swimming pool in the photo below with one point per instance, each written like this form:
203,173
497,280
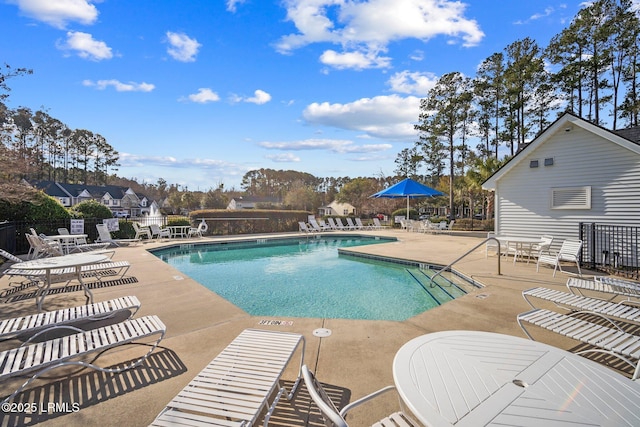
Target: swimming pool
308,277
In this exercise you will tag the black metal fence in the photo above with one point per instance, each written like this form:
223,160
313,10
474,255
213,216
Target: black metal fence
12,233
611,248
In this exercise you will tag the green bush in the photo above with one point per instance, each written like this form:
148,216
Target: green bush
91,209
413,214
38,207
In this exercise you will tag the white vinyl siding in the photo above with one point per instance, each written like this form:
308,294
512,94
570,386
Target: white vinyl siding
580,159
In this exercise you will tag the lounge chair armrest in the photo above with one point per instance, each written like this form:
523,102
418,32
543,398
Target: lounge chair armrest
365,399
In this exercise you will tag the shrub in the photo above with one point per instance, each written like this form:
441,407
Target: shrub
91,209
37,207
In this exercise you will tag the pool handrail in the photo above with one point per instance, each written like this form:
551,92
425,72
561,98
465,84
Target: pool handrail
464,255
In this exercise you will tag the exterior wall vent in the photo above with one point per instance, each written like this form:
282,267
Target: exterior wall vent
571,198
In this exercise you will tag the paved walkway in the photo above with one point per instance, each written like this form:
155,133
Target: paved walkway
355,360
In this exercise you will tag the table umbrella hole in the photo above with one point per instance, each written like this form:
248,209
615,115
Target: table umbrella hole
520,383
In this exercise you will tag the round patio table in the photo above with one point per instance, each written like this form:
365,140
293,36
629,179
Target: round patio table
522,245
56,265
469,378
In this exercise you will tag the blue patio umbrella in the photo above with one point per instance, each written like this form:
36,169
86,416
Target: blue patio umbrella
407,188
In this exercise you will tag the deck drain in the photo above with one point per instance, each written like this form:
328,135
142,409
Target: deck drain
322,332
482,296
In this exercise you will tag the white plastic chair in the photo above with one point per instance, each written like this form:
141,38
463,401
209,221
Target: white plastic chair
333,417
569,252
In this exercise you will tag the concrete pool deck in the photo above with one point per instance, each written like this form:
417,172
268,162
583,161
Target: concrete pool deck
353,361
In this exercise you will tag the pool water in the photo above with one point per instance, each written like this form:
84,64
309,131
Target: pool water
309,278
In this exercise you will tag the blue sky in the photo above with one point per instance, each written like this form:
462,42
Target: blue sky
199,92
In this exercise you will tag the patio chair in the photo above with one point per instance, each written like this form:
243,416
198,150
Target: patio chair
361,226
351,224
9,256
40,247
569,252
235,387
596,306
104,236
45,356
543,247
332,224
333,417
159,233
316,227
303,227
608,340
341,225
377,224
42,322
612,286
199,230
141,231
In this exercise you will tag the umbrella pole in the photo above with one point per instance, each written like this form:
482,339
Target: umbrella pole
407,208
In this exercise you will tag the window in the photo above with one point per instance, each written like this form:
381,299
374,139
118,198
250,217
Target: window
571,198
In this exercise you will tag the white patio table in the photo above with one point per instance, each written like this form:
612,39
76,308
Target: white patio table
73,261
522,245
67,241
468,378
179,231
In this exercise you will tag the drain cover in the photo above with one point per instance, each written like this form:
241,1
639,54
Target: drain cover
322,332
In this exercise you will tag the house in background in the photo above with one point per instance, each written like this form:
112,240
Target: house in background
252,202
121,200
337,209
573,172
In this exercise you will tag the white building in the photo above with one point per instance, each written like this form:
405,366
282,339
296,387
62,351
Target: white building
337,209
572,172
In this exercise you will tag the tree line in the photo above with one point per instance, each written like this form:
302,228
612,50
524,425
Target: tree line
591,69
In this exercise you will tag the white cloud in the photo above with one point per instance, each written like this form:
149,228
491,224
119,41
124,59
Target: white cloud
415,83
203,96
182,47
139,160
119,86
283,158
388,117
86,47
339,146
58,13
354,60
369,26
232,5
259,97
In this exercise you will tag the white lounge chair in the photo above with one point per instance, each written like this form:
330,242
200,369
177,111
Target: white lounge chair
141,231
104,236
333,417
44,356
569,301
9,256
44,321
97,271
377,224
236,386
40,248
316,226
613,287
340,225
332,224
351,224
609,340
569,252
303,227
361,226
159,233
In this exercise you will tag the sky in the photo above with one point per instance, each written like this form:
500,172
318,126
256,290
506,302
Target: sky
200,92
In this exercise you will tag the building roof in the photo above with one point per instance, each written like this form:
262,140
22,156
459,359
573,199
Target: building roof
565,123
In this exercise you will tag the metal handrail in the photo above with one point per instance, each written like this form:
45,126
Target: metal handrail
431,282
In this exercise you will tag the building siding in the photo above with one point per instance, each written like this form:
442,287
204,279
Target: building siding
581,158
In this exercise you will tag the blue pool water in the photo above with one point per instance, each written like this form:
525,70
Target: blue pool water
309,278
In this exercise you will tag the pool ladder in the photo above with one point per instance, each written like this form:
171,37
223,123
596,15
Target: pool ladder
445,268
